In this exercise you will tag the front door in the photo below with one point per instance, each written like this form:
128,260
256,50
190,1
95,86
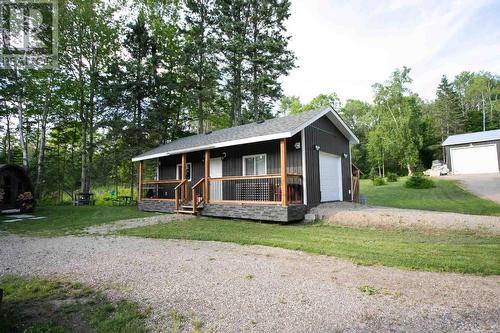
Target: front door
330,177
216,172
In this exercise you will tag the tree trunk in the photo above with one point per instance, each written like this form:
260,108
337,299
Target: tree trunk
410,172
41,152
20,115
9,139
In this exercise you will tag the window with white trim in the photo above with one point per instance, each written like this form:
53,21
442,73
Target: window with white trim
255,165
179,172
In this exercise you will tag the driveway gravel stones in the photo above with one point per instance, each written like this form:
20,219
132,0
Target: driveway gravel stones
234,288
483,185
356,215
103,229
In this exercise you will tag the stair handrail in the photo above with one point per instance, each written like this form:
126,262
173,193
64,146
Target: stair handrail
176,189
193,194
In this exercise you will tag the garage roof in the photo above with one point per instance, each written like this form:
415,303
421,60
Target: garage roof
472,137
277,128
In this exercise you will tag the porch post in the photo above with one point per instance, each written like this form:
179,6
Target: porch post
139,186
206,193
183,177
284,199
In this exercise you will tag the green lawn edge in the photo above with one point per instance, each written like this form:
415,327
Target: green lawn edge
459,252
447,196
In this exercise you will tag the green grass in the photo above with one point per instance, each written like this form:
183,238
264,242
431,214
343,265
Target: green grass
41,305
61,220
447,196
446,251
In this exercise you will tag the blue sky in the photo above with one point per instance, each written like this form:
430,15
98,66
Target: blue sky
346,46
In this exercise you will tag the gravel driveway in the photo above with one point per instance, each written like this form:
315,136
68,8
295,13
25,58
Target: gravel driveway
356,215
483,185
234,288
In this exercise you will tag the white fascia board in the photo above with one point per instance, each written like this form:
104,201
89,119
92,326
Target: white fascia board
329,112
444,144
217,145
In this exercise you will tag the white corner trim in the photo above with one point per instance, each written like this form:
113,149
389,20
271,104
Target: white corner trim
304,166
350,171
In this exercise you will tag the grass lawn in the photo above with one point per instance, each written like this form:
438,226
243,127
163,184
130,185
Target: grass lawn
447,251
40,305
447,196
69,219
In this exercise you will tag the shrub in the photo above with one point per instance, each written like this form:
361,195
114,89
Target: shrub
377,181
392,177
419,182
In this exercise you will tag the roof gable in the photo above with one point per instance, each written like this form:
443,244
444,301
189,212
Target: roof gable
472,137
277,128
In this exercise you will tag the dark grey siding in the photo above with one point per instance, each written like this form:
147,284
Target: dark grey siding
168,165
448,155
324,134
232,165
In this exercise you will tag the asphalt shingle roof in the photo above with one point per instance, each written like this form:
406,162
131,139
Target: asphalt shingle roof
472,137
284,125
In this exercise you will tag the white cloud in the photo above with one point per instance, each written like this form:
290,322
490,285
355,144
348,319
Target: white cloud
347,46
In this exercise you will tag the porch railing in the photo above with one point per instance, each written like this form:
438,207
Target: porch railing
250,189
179,193
197,194
255,189
159,189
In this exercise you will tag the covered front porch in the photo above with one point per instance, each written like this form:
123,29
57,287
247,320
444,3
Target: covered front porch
259,181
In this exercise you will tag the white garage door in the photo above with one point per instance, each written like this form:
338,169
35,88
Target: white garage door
330,177
477,159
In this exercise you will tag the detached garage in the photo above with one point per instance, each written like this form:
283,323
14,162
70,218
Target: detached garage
477,152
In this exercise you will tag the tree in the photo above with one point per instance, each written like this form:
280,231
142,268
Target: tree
323,101
398,112
268,55
358,115
88,44
289,105
202,72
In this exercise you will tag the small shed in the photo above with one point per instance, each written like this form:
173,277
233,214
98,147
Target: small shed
477,152
14,181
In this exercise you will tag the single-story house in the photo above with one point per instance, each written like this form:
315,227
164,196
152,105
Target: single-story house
270,170
477,152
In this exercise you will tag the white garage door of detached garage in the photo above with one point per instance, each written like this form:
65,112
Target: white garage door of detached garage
476,159
330,177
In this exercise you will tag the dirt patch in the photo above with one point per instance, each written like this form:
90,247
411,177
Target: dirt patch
352,214
134,223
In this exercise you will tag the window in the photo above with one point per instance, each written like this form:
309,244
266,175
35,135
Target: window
179,171
255,165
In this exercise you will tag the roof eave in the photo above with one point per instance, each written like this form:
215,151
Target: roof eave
444,144
214,146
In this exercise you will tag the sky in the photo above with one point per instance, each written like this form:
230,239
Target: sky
346,46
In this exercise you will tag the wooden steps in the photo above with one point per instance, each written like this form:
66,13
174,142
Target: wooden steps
188,209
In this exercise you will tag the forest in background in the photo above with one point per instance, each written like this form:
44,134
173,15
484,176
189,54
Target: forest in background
133,75
402,133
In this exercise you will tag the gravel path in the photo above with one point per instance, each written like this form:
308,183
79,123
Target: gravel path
483,185
234,288
351,214
104,229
